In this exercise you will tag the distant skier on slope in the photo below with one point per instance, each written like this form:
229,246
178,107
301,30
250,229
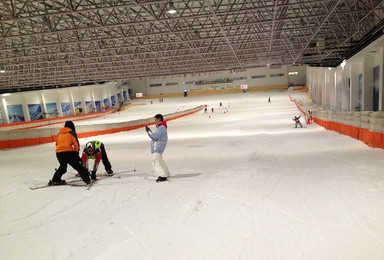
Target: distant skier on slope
95,150
297,121
309,120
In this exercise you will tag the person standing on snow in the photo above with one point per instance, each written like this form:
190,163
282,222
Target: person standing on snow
310,120
96,150
67,152
159,141
297,121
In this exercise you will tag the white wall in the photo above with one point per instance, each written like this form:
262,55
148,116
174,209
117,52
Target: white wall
69,95
342,92
186,82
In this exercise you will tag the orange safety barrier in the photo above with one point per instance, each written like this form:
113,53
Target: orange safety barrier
4,144
375,139
14,143
371,138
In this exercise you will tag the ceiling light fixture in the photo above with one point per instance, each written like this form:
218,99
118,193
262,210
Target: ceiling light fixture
343,64
2,71
171,9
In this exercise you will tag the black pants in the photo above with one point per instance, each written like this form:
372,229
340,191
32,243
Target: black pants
73,159
104,158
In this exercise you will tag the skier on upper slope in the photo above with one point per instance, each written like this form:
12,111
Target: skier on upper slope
297,121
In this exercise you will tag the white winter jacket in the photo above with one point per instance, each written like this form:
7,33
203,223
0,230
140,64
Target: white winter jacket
159,138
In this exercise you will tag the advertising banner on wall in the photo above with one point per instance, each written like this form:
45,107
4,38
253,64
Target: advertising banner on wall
15,113
66,108
113,100
98,106
78,108
119,97
51,109
106,103
35,111
88,107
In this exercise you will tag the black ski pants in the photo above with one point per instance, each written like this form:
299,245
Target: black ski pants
104,158
73,159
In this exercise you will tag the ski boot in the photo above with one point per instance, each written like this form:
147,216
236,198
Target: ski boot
93,176
60,182
161,179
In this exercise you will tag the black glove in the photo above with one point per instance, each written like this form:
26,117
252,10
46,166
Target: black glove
147,129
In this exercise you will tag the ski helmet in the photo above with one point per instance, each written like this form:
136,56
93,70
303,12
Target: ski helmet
90,145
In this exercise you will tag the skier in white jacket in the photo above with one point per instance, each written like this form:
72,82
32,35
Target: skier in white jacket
158,143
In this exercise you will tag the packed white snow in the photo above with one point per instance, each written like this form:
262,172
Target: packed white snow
245,184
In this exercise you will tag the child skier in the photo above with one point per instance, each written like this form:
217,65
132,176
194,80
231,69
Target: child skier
96,150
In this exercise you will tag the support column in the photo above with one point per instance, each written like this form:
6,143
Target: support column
24,104
355,82
381,80
331,87
327,88
43,104
59,93
367,97
4,111
93,100
322,89
339,90
71,104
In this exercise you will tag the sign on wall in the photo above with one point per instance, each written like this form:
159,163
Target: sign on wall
113,100
51,109
66,108
106,103
88,107
98,105
35,111
78,108
15,113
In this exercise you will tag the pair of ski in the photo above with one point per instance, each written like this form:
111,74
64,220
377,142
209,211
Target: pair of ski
76,181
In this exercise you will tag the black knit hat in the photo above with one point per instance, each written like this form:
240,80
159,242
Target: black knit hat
70,125
159,116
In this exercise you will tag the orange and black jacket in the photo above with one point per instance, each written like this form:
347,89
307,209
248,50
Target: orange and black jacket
66,141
